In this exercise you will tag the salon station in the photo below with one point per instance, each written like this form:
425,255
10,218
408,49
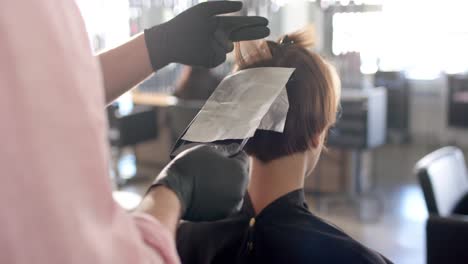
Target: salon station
384,134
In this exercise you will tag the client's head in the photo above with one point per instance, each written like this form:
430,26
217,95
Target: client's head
313,94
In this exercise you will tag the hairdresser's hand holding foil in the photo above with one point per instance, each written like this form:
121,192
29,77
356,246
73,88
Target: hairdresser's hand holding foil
209,183
198,36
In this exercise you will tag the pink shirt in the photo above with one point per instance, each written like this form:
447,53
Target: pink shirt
55,192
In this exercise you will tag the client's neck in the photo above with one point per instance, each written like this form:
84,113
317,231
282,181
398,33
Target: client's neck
269,181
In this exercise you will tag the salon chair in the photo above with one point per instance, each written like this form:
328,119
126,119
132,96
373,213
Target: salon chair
398,104
133,128
444,181
129,130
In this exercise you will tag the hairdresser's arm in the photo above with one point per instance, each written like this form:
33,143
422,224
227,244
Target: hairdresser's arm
163,204
197,36
124,67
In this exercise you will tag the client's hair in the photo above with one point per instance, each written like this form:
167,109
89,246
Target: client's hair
313,93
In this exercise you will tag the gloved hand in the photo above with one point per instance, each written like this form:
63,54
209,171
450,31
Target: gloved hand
209,183
199,37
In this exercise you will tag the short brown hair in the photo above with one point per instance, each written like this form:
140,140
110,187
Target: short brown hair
313,93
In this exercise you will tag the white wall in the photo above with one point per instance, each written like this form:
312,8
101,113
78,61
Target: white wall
295,15
108,19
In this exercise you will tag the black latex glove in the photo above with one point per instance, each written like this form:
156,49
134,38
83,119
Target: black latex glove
199,37
209,183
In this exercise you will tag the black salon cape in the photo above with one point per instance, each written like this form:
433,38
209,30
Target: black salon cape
284,232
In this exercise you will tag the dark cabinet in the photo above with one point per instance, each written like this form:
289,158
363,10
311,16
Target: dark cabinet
362,124
458,100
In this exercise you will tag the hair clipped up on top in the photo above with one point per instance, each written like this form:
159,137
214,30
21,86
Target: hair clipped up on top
313,93
304,38
249,52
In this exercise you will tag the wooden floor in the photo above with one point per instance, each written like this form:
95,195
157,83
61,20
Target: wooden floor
397,233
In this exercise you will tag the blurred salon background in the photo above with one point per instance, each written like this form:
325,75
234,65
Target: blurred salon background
403,67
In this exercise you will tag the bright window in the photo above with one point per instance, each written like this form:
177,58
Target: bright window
422,37
106,21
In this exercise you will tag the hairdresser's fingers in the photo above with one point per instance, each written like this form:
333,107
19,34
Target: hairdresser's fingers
218,7
231,23
223,40
249,33
218,54
244,28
